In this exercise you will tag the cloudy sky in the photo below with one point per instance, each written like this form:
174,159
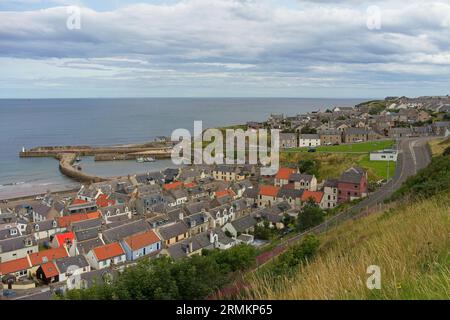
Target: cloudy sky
224,48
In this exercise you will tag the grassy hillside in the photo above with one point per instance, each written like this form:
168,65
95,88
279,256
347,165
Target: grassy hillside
363,147
410,244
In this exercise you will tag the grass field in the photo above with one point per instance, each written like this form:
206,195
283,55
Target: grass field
438,145
363,147
378,169
333,164
409,243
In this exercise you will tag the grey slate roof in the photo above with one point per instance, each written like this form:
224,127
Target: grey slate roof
289,193
243,223
16,243
297,177
168,232
87,224
64,263
352,175
87,245
86,234
309,136
125,230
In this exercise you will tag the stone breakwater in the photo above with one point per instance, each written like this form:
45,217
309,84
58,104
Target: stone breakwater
68,154
66,161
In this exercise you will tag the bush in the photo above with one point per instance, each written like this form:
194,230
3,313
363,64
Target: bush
310,216
309,166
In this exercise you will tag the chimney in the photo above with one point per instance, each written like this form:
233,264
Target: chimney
190,247
181,216
211,237
100,236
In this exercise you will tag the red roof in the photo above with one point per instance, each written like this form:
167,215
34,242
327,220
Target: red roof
142,240
223,193
315,195
38,258
108,251
67,220
173,185
50,269
14,266
65,237
79,201
267,190
284,173
190,185
104,201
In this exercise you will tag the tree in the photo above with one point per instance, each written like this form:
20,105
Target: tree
310,216
309,166
308,130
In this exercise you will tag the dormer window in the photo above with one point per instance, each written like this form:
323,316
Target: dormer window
13,232
54,224
36,227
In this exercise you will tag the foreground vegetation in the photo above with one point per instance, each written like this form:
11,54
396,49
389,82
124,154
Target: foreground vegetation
195,277
408,241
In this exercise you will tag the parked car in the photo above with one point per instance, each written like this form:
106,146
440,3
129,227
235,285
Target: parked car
312,150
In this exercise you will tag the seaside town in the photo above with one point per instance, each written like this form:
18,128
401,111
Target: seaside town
55,242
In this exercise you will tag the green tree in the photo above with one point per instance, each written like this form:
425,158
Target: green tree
308,130
309,166
310,216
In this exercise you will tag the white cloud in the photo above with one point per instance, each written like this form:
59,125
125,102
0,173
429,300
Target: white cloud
249,44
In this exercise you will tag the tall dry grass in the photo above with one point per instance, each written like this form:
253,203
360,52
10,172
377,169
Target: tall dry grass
411,245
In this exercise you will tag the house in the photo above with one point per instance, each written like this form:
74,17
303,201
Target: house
303,181
17,247
309,140
220,240
267,195
44,229
221,215
106,256
330,193
39,258
384,155
41,212
149,202
352,135
290,195
282,176
439,127
66,221
124,230
397,133
150,178
17,267
265,215
62,239
173,185
316,196
180,196
68,268
190,247
330,137
288,140
88,194
239,226
81,206
352,185
174,233
142,244
197,223
227,173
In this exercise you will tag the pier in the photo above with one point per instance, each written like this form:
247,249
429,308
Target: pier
67,156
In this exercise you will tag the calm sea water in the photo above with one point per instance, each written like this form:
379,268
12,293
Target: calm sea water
37,122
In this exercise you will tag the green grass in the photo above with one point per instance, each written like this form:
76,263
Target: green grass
363,147
378,168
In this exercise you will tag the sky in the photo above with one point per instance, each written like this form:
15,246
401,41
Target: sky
224,48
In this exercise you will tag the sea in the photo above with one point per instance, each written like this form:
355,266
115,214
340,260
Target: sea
27,123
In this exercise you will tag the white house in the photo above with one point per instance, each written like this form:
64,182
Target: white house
384,155
309,140
105,256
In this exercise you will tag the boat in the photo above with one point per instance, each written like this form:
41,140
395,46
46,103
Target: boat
149,159
77,159
140,159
